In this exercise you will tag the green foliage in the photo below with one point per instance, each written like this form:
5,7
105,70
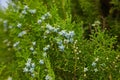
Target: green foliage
113,19
45,43
100,56
115,8
86,10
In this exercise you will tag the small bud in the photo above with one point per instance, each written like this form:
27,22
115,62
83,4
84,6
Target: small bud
41,62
